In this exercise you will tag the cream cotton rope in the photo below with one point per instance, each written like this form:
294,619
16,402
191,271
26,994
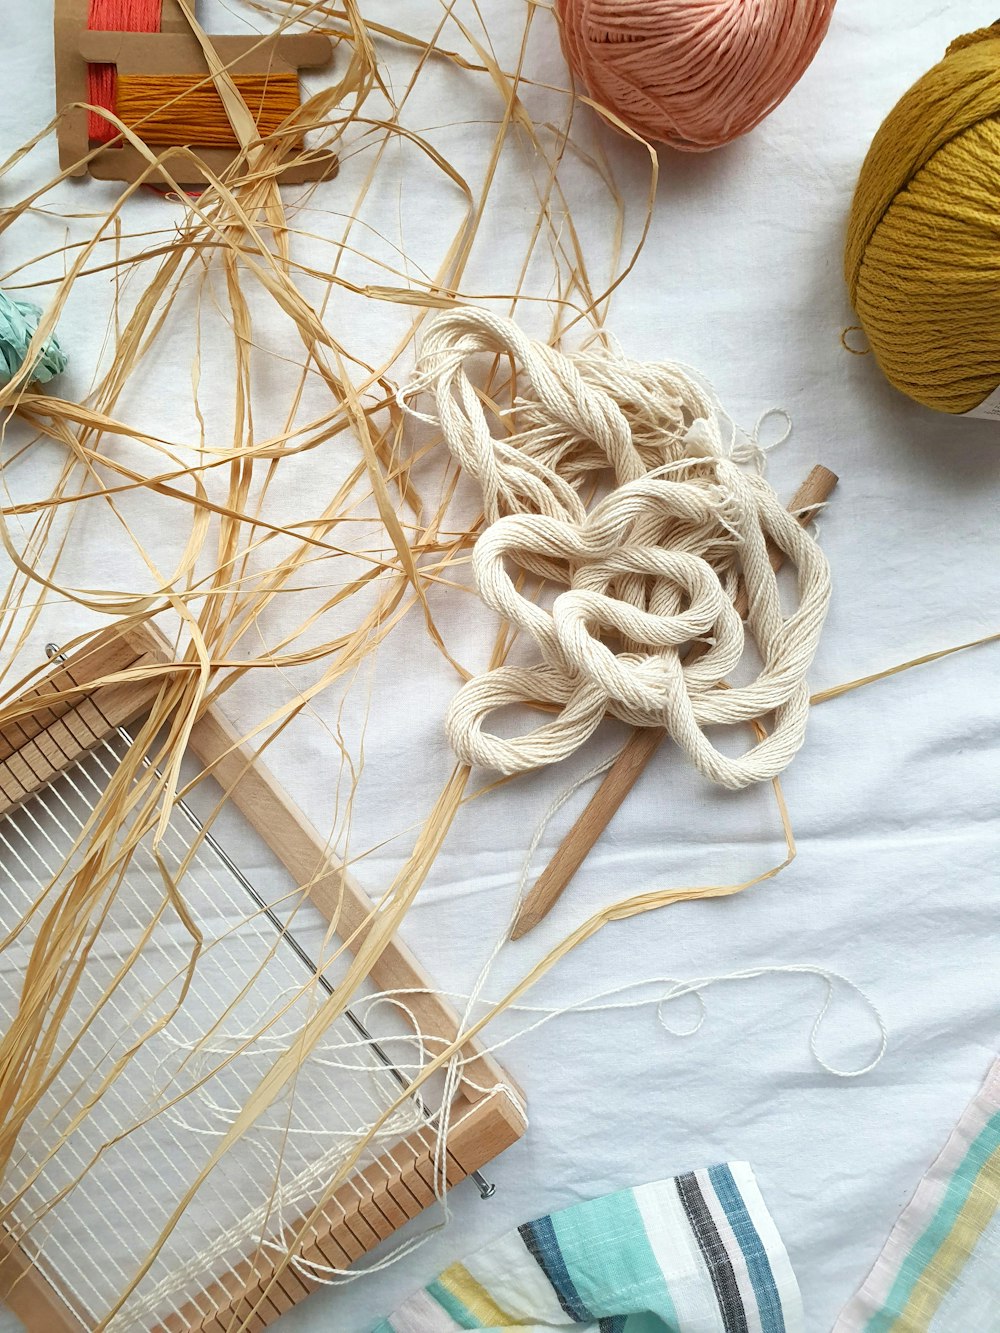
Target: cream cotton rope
642,573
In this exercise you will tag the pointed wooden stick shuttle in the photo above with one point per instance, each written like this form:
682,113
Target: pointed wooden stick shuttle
625,772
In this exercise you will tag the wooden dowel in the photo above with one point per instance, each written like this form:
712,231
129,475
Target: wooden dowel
625,772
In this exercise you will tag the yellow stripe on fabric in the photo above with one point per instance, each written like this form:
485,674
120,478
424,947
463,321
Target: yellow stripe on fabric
477,1300
940,1274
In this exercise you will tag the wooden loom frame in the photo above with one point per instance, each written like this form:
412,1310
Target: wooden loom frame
487,1116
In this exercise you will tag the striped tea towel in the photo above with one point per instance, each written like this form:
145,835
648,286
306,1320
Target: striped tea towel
696,1254
940,1269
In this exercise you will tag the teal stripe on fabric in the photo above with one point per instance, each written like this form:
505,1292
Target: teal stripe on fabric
765,1288
958,1190
608,1264
607,1251
449,1302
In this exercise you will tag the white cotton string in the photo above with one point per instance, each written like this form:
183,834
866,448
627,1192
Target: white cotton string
455,1069
606,1001
565,795
667,989
829,977
675,989
339,1054
642,571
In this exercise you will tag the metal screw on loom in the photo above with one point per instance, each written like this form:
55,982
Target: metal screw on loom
486,1188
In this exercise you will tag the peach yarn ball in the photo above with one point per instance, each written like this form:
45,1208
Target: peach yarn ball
693,74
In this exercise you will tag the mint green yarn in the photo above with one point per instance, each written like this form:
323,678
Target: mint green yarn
18,322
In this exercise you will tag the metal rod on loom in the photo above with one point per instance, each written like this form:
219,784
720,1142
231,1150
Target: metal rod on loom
486,1187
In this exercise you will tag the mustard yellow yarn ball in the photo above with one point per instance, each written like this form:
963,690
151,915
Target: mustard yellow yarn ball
923,244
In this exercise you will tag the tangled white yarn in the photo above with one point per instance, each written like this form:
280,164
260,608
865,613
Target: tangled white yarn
646,570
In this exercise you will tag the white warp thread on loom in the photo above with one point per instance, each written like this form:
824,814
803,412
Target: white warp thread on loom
645,571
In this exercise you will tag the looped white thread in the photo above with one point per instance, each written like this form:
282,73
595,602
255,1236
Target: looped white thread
828,976
641,573
629,996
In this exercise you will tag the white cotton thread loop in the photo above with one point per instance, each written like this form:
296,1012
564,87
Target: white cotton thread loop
666,990
829,977
647,568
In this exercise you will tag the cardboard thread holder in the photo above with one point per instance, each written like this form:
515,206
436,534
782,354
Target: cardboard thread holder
174,50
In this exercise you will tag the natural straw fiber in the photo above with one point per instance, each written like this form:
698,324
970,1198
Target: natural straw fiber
693,76
923,242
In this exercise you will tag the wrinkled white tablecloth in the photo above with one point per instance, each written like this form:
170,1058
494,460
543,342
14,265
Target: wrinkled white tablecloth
893,800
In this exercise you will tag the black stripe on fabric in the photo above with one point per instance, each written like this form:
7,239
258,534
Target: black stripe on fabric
540,1238
713,1251
614,1324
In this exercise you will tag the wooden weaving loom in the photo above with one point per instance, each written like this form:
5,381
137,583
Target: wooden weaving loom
127,1125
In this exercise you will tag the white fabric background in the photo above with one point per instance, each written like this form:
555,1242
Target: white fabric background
894,799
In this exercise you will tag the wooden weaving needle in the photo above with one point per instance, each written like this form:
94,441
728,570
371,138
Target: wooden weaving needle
625,772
